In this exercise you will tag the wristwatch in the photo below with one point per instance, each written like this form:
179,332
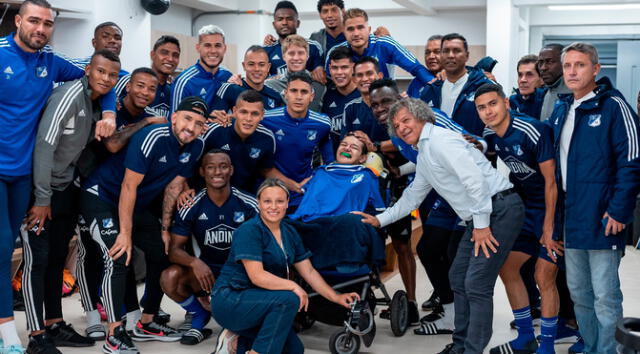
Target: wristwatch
376,144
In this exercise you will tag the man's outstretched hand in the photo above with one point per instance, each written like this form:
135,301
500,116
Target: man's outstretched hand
368,219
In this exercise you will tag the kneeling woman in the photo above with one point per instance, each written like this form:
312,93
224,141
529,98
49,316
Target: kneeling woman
253,296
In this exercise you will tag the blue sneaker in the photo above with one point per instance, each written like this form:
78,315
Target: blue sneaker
565,334
578,347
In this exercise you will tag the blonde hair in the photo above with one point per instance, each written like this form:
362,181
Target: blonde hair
294,39
355,12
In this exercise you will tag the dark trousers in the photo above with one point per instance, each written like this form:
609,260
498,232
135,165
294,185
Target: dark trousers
474,278
262,318
436,249
44,256
118,287
14,200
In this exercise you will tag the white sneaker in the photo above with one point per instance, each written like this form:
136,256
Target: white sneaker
224,342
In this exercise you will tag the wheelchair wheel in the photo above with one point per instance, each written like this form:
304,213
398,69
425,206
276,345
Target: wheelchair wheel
343,342
399,311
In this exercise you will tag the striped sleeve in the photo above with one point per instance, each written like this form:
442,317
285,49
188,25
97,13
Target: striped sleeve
122,83
180,87
60,108
624,146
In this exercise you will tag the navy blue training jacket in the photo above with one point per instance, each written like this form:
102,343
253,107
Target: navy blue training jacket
603,167
464,111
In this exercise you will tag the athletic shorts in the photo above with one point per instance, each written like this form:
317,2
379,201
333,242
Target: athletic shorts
543,254
528,244
400,230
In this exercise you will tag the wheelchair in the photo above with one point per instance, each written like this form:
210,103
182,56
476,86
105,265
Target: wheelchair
357,324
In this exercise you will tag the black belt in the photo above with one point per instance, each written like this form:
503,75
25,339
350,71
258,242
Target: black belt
503,194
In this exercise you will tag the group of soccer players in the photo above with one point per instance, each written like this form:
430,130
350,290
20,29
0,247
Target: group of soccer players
162,167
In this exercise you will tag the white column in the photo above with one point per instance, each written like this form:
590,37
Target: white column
502,40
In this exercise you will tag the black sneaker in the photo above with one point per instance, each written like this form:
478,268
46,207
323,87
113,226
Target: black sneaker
64,335
42,344
155,331
195,336
431,303
119,343
450,350
161,317
535,314
414,314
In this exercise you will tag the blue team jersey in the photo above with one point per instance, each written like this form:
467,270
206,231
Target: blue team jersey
333,104
26,82
531,106
278,66
249,157
353,188
296,140
359,116
227,95
332,42
154,152
196,81
124,117
415,88
211,227
526,143
270,97
388,52
161,104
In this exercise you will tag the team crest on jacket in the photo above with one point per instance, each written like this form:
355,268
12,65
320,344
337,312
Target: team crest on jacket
312,134
184,157
594,120
255,153
107,223
517,150
42,72
357,178
238,216
271,103
471,96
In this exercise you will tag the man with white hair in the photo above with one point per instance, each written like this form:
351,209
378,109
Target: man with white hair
204,78
479,194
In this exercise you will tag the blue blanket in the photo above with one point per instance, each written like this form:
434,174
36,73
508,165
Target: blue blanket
342,242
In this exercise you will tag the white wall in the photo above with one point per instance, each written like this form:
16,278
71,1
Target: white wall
73,37
414,30
177,20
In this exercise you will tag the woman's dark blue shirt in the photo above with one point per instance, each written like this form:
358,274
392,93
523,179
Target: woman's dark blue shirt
254,241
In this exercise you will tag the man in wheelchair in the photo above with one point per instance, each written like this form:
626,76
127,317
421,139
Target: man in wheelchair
346,252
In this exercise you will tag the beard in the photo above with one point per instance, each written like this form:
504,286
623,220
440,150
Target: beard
30,42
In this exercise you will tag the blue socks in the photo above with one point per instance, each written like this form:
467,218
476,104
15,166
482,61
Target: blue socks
200,315
524,323
548,329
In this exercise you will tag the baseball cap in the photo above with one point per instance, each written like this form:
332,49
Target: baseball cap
193,104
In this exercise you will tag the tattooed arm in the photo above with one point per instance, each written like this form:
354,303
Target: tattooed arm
171,193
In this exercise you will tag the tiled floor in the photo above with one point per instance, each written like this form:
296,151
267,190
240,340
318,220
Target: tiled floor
316,339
